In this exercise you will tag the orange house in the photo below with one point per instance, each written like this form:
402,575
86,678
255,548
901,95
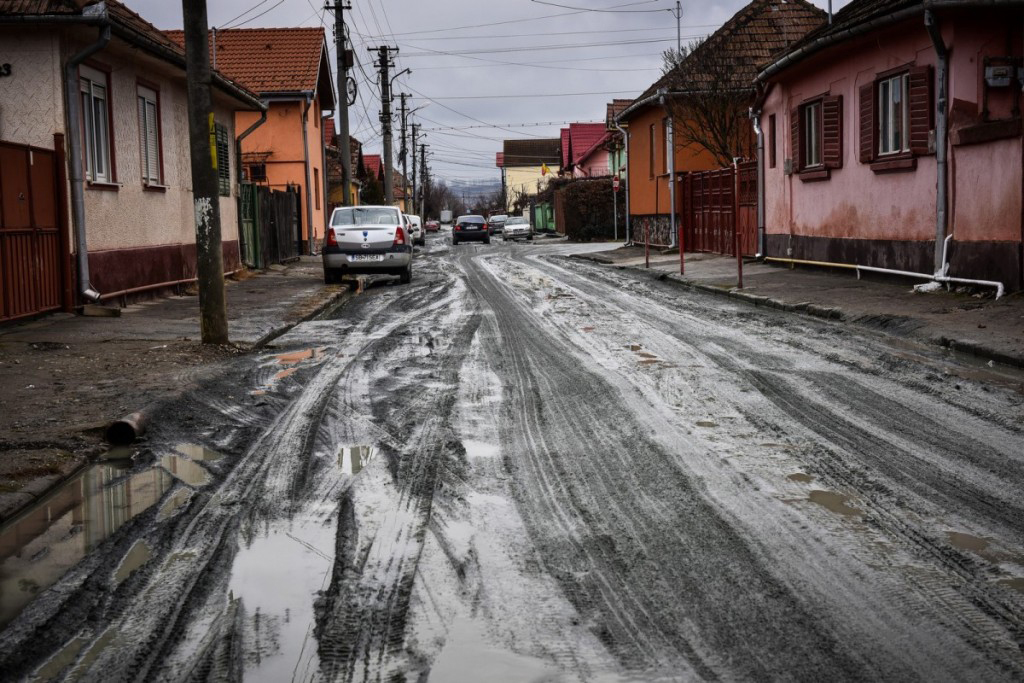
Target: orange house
725,62
288,68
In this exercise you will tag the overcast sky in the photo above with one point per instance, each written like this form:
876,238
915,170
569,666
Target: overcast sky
526,67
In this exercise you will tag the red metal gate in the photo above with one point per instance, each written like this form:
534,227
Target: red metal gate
32,244
708,207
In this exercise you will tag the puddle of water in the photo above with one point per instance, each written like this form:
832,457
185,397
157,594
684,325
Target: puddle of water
185,470
1015,584
174,502
481,449
296,357
979,546
706,423
834,502
277,576
38,546
194,452
467,654
352,459
61,660
801,478
109,637
139,555
118,453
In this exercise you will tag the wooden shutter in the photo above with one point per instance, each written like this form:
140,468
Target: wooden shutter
795,130
868,127
832,131
223,160
920,103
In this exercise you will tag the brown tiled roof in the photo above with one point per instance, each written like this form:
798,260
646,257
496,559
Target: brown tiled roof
532,152
271,60
329,134
748,40
615,107
373,164
125,23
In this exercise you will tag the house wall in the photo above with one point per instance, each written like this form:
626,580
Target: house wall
525,179
281,138
136,236
888,220
594,166
649,196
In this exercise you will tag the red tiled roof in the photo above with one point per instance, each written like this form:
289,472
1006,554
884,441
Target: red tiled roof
373,163
271,60
731,56
329,136
125,24
598,144
583,136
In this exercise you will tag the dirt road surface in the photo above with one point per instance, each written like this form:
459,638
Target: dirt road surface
526,467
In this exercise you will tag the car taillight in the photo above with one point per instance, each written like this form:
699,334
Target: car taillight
459,226
332,240
399,236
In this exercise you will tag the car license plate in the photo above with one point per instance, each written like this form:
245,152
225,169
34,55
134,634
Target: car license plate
366,257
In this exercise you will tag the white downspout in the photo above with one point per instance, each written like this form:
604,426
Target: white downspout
755,116
625,137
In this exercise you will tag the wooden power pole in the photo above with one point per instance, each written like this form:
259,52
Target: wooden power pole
213,315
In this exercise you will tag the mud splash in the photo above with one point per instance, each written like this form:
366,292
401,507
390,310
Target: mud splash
139,555
834,502
800,478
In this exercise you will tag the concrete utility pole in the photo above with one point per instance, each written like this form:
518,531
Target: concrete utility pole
213,314
415,133
384,64
426,176
344,56
403,151
678,14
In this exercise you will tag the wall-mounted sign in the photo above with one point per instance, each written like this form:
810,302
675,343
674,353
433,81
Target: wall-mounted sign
5,70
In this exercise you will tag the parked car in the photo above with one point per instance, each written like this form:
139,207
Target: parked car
418,235
496,223
367,239
469,228
432,226
517,227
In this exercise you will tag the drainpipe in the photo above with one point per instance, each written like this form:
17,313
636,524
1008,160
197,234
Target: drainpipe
670,152
625,137
755,117
941,142
309,190
246,133
72,95
323,172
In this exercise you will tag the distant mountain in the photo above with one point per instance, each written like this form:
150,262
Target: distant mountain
474,188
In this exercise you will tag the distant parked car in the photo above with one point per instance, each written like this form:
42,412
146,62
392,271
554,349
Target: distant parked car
418,235
367,239
517,227
433,226
469,228
496,223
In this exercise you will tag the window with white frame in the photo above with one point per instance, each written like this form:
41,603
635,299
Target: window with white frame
149,136
95,124
894,114
812,134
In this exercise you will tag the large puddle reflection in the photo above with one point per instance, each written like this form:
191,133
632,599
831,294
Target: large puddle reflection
37,547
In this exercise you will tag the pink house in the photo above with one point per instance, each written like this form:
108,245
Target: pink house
584,154
892,139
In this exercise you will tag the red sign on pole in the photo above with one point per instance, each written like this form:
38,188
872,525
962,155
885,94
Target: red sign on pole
615,183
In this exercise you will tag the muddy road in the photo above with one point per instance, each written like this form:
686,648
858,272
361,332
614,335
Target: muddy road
527,467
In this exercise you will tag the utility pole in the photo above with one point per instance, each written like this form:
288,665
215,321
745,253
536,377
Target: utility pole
213,314
426,175
403,152
678,14
415,133
345,60
384,64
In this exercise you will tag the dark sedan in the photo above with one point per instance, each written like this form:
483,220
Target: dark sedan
469,228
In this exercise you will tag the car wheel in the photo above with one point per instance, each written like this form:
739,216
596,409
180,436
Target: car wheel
455,241
331,276
405,277
487,240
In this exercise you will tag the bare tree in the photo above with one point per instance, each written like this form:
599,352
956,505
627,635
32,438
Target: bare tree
709,94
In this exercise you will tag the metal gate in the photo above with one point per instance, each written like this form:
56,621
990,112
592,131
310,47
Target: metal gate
32,248
270,225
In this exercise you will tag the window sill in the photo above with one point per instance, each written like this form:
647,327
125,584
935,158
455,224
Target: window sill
814,175
898,165
99,185
154,187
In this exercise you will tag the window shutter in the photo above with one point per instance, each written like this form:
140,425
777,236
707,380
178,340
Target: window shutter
832,131
223,160
868,128
797,148
920,103
152,144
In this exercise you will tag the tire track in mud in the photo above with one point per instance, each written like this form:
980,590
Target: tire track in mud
1000,609
663,582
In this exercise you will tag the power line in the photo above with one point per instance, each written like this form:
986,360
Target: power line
533,48
611,11
528,96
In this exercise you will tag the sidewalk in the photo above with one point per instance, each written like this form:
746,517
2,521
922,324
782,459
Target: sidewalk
64,378
980,325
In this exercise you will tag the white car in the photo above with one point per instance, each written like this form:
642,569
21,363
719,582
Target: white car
419,236
368,239
517,227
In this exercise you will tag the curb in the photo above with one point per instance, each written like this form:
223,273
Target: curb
824,312
330,301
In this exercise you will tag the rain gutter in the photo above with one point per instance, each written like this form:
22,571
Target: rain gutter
305,159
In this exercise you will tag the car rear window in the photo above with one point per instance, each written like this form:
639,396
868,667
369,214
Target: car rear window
360,215
464,220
